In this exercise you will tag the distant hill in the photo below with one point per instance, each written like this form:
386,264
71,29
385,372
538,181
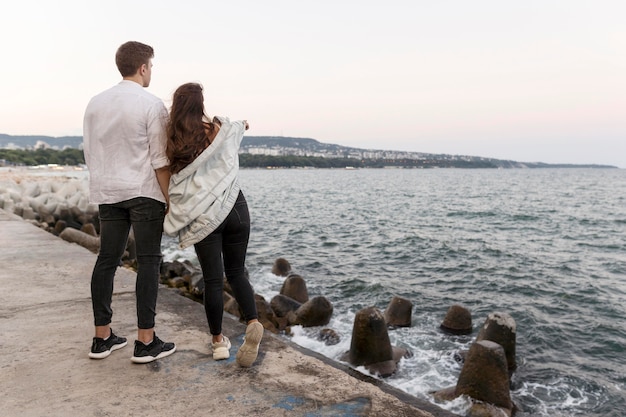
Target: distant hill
303,144
280,146
35,142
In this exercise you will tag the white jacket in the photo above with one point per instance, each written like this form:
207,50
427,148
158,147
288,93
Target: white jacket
204,192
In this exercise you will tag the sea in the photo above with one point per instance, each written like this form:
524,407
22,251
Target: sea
546,246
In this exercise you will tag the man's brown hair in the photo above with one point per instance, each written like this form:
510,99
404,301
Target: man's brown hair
131,56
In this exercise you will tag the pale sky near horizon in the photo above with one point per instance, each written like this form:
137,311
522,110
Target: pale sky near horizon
527,81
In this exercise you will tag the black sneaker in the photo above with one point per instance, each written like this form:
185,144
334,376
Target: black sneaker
156,350
101,348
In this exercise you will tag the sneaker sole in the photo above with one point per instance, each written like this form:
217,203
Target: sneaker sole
148,359
249,351
106,353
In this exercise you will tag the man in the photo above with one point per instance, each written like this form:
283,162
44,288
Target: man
124,143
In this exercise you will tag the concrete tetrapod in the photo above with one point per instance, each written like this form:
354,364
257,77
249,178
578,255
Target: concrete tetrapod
281,267
458,320
398,312
370,345
294,287
501,328
485,379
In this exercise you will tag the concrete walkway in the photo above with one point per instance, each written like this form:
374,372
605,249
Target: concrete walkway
46,329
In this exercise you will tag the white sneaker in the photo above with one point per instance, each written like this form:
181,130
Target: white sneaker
250,349
221,349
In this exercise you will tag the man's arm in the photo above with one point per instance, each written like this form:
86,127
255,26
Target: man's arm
163,177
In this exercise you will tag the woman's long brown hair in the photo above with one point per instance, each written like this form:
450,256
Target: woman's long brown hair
186,130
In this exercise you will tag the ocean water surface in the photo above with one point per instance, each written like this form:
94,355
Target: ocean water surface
547,246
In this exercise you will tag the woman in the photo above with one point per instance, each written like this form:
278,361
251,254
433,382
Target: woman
208,210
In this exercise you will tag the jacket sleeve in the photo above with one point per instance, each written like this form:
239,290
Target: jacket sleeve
235,129
175,219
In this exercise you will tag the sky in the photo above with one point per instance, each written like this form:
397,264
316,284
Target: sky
531,81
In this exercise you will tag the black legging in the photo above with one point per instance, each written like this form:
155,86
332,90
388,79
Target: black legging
224,252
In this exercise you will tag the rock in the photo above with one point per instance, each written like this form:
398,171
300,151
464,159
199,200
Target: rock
177,282
9,206
488,410
196,284
291,318
485,380
458,320
500,328
13,195
283,325
177,269
295,287
398,312
329,337
281,305
65,214
28,214
446,394
93,211
484,376
31,189
18,209
266,315
90,229
44,213
46,217
370,346
315,312
83,239
69,191
460,356
281,267
59,226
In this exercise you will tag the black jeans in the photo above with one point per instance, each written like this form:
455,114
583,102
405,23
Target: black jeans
146,217
224,252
